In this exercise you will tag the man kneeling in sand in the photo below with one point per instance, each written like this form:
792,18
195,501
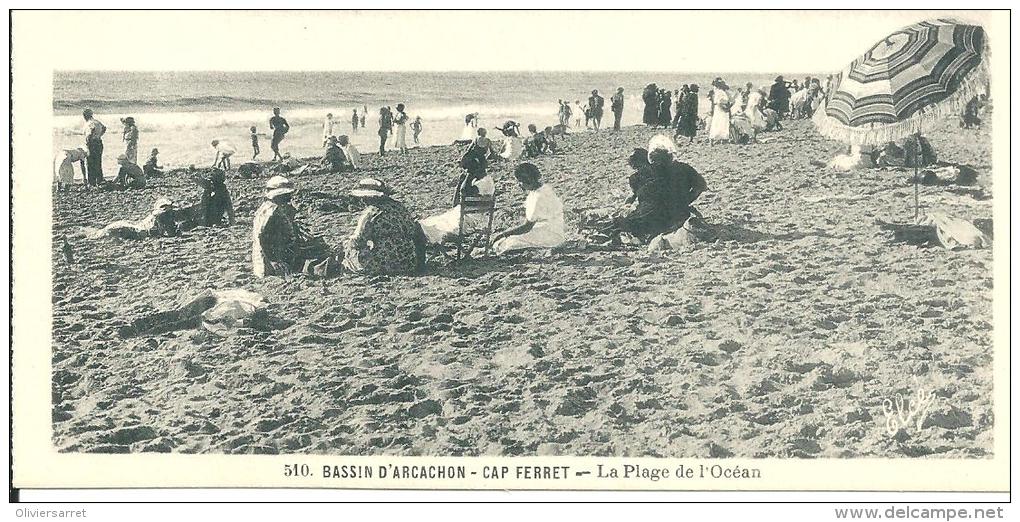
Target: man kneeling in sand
543,213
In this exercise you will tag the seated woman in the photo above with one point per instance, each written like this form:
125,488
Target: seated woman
543,214
387,239
665,189
281,245
130,176
891,155
152,167
513,145
741,129
215,203
350,151
467,135
447,225
160,223
334,160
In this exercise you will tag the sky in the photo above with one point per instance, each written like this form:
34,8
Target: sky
701,41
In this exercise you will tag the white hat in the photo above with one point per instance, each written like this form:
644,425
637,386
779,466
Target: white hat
369,188
278,186
664,143
162,203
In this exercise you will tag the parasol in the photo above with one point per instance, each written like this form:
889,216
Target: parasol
905,82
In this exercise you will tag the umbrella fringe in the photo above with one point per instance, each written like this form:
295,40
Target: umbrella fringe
882,133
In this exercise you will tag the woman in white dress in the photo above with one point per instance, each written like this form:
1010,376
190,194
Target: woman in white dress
753,110
721,103
543,213
467,134
400,121
445,226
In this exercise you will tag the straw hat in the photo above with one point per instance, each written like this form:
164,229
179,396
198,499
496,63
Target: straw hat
279,186
162,203
371,188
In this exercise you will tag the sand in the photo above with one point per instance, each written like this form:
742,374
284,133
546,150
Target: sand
782,339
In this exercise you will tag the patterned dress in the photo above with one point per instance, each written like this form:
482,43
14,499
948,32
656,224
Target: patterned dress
387,240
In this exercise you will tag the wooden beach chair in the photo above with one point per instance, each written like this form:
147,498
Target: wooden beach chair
471,205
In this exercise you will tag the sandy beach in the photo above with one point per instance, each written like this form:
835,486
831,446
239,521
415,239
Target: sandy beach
781,339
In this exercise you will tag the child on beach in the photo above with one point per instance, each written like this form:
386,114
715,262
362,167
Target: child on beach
416,129
224,151
254,143
152,167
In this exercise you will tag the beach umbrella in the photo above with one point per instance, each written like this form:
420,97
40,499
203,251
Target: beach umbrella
904,82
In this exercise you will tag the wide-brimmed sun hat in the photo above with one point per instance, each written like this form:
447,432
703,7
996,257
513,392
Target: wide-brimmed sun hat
279,186
371,188
162,203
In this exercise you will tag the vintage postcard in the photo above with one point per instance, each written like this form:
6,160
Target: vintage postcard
517,250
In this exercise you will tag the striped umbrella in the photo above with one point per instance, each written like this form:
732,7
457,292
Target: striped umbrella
909,78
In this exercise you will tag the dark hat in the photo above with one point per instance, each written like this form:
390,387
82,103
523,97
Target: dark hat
779,78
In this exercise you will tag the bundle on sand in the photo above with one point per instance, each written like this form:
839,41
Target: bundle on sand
218,311
939,229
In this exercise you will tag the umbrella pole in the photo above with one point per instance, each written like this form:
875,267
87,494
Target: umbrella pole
917,162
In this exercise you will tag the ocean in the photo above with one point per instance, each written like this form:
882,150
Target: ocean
180,113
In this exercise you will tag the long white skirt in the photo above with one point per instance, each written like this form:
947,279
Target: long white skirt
536,238
720,127
439,227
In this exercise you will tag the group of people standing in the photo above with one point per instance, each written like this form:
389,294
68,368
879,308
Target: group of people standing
677,109
592,112
89,159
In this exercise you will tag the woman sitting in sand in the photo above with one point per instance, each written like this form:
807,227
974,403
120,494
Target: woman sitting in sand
215,203
467,135
447,225
160,223
664,188
387,239
350,151
152,167
130,175
333,159
280,244
543,213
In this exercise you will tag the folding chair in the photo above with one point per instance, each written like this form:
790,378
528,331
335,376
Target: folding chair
471,205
